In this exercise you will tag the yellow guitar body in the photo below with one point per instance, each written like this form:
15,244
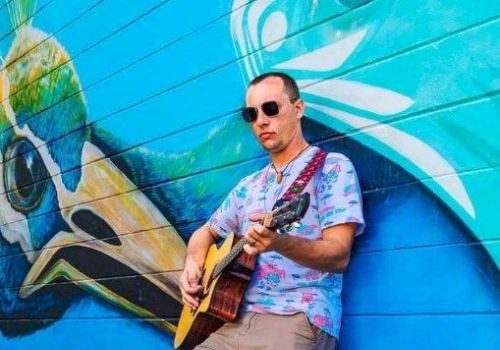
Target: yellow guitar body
188,317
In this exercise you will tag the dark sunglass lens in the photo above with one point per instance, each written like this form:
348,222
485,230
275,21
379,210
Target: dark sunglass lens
270,108
249,114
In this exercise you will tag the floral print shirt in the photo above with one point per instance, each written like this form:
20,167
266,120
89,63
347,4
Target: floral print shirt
279,285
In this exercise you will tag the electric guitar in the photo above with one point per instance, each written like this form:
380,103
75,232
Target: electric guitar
226,274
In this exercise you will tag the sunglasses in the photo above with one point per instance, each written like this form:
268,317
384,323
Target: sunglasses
270,109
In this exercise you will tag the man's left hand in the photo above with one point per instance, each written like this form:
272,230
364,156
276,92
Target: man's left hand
261,239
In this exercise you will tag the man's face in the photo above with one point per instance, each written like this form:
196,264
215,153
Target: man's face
274,133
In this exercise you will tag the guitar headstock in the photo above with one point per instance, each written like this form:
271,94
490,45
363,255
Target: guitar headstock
288,213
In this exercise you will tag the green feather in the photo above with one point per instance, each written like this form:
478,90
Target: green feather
21,13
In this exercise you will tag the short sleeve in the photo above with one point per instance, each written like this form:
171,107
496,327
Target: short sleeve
339,194
226,218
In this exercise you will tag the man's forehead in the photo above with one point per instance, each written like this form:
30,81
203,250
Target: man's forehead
269,88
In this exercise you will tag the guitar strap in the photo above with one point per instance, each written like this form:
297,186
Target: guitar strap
304,178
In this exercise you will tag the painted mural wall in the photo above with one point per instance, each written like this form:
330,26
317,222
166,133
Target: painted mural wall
120,134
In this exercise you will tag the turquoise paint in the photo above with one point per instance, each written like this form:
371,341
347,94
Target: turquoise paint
440,74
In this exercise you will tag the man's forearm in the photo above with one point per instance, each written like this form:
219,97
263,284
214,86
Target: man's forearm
198,246
323,255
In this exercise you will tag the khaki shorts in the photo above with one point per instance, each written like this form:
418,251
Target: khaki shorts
268,331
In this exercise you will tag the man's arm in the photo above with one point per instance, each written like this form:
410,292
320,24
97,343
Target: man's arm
196,253
331,253
339,202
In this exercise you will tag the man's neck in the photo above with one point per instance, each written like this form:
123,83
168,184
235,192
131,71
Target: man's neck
290,152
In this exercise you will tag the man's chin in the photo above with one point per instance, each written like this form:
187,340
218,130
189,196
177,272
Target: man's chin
268,144
272,144
272,148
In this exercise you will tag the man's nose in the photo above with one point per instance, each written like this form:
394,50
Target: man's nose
262,118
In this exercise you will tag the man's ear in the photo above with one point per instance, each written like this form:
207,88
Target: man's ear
299,108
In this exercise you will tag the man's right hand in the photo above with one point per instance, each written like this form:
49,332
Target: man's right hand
190,285
196,253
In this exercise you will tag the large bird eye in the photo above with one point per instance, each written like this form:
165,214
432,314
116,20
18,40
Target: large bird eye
23,175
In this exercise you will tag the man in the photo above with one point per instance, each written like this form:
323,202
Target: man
293,300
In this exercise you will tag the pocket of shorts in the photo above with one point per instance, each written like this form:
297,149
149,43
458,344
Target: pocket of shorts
310,330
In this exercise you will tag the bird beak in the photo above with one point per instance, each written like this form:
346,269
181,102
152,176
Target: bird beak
120,248
117,244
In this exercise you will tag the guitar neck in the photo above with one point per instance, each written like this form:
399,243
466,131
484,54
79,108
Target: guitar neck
280,216
235,251
268,221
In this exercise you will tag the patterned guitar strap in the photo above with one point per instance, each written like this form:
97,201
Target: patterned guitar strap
303,179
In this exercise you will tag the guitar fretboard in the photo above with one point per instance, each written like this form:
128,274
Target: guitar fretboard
235,251
283,215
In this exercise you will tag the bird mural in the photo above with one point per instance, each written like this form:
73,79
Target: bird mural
80,216
81,225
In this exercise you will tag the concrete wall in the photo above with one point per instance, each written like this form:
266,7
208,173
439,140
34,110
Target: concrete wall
120,134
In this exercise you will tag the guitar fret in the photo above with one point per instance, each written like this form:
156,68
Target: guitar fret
235,251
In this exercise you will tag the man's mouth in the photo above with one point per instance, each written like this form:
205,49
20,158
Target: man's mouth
266,135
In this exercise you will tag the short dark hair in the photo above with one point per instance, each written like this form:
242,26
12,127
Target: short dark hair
291,88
